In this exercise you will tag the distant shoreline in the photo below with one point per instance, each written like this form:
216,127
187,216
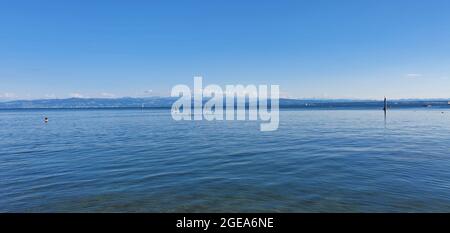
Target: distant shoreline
404,107
166,103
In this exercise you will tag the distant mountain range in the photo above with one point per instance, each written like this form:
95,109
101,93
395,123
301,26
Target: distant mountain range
90,103
166,102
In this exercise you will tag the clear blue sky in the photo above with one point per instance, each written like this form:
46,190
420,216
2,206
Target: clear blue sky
327,49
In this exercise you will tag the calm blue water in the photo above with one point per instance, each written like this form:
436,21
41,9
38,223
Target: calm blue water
143,161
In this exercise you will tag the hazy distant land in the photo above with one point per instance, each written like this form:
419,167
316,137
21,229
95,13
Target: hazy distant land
166,102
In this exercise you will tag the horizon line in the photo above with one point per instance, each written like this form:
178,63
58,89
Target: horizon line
284,98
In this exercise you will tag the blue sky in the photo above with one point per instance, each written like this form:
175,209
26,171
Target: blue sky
312,49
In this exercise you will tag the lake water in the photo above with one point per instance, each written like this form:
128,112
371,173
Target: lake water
143,161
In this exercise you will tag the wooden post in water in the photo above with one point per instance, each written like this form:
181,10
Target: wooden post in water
385,110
